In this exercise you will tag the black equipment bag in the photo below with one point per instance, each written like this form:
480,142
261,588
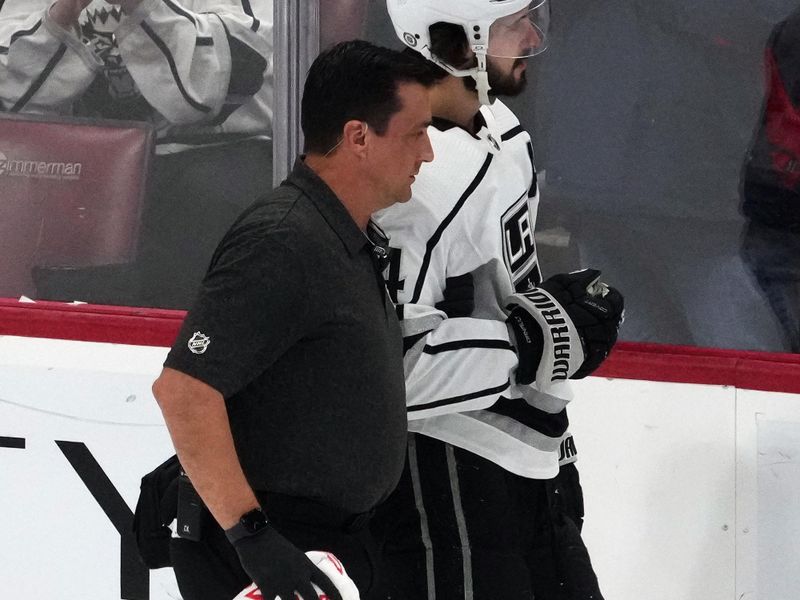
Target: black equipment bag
156,508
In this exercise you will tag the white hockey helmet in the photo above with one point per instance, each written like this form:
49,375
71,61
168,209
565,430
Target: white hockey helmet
519,28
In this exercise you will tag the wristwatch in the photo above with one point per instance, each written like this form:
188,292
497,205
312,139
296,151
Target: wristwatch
249,524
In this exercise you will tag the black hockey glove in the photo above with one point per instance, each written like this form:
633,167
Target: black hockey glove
279,568
459,296
595,309
527,337
567,331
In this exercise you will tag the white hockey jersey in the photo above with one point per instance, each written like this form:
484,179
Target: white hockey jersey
473,210
194,68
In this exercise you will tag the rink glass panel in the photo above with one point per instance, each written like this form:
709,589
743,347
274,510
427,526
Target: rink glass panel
641,115
86,216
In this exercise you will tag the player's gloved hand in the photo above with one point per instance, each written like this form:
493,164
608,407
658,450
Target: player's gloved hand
459,296
596,310
279,568
564,328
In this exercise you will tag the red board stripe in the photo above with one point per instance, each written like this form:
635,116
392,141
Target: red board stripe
90,323
654,362
767,371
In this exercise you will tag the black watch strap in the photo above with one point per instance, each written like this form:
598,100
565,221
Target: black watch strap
249,524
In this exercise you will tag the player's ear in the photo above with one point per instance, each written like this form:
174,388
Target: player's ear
354,136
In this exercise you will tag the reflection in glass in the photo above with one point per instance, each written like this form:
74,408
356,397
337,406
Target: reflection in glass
771,182
200,76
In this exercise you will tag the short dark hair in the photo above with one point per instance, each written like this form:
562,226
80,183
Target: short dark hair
355,80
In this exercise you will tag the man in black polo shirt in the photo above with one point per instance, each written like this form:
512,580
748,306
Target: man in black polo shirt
284,391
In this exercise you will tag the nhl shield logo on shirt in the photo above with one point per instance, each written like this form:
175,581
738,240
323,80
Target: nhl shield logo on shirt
198,343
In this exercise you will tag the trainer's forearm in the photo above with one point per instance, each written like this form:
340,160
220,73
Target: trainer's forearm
198,424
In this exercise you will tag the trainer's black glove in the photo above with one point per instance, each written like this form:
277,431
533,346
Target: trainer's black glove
564,328
279,568
459,296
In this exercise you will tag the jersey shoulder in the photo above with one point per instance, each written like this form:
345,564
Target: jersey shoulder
459,161
507,122
459,164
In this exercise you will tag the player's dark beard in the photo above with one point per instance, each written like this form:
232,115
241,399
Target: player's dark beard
505,84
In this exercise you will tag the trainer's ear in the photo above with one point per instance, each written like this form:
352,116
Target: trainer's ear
354,136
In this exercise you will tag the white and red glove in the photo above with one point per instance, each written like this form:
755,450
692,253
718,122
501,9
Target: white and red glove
328,564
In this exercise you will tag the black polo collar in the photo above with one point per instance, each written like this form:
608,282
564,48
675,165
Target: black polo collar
329,205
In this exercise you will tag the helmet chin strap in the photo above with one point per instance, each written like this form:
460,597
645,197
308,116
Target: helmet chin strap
478,73
481,76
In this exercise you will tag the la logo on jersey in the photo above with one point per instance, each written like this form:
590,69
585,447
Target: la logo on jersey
519,247
198,343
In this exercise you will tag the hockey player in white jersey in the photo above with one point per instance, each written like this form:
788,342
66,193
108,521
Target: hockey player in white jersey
199,66
489,505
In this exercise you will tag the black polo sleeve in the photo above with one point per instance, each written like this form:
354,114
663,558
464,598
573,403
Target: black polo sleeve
251,307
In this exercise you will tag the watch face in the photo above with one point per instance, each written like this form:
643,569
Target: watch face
254,520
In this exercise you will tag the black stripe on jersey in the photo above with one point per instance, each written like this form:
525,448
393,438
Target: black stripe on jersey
204,41
512,133
408,342
173,67
25,32
180,11
248,10
19,34
39,81
247,67
226,111
443,225
549,424
461,344
464,398
535,183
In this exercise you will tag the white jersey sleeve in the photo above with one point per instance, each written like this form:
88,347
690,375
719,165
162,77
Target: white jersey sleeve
454,365
44,68
198,60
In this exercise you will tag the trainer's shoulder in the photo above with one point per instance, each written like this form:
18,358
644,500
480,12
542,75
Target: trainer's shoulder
269,210
283,216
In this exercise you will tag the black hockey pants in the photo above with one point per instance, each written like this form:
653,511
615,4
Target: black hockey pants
459,527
